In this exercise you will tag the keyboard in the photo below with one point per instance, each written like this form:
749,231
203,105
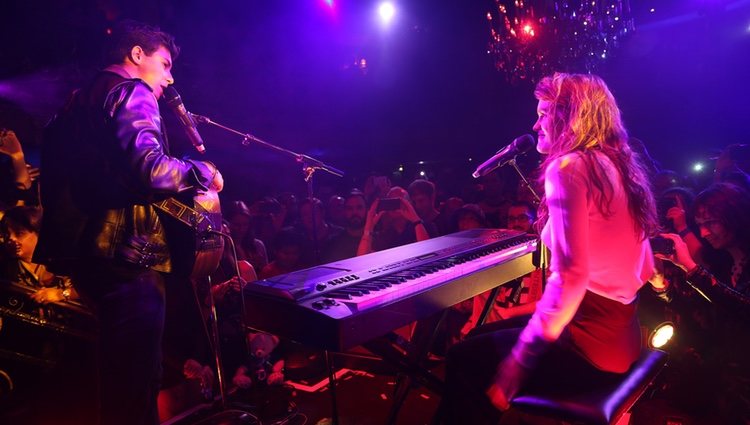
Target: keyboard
342,304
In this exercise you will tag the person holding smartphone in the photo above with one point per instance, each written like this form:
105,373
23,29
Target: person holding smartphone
719,380
391,221
673,206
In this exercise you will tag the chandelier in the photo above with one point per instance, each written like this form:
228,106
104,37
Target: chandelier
530,39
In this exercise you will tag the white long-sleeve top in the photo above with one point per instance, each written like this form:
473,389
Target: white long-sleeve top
589,251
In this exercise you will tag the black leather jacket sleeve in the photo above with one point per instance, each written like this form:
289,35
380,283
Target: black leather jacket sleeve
134,114
718,292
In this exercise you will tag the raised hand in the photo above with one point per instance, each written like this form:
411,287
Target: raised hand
678,215
681,257
9,143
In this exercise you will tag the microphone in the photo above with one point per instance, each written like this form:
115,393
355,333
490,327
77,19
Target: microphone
519,146
174,101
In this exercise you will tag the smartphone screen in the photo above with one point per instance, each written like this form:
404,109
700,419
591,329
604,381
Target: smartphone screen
389,204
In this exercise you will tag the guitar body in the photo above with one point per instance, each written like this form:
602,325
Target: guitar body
209,248
196,255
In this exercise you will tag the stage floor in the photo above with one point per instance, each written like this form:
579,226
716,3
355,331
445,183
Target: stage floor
363,398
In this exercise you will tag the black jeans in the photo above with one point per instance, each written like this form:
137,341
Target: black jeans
129,302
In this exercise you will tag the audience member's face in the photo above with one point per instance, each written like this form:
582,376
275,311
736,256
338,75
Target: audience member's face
519,218
422,204
713,230
288,256
156,70
355,212
24,242
468,221
543,127
239,224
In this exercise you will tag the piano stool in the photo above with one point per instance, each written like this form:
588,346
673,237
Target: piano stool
602,400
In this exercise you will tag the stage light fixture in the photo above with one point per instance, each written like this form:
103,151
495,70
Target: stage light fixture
661,335
386,11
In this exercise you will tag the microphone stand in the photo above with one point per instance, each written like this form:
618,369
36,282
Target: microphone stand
526,183
543,257
309,167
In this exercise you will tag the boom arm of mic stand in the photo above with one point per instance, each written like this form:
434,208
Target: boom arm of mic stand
309,162
305,160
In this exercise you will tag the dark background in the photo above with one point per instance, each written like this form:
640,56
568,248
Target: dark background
283,70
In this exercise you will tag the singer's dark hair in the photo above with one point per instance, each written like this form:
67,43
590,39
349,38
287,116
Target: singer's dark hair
128,34
587,120
730,205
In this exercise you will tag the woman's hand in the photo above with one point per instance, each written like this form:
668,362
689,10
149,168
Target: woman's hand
681,257
678,215
9,143
373,217
408,211
658,281
232,285
508,379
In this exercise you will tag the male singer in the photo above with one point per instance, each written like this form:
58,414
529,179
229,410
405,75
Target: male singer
106,159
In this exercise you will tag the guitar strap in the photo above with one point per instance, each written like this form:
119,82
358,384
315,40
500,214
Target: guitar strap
189,216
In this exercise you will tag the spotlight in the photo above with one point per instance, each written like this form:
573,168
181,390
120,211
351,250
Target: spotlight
422,173
386,10
698,167
661,335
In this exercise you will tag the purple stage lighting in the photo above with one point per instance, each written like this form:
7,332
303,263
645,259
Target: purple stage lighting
386,11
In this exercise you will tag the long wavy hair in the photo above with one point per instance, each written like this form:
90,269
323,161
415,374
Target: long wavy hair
586,120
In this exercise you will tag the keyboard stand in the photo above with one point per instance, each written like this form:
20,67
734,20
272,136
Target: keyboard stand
411,364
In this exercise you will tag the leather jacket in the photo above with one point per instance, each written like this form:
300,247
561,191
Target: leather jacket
105,159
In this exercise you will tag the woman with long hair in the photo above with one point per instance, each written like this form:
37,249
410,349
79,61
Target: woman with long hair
716,374
595,218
